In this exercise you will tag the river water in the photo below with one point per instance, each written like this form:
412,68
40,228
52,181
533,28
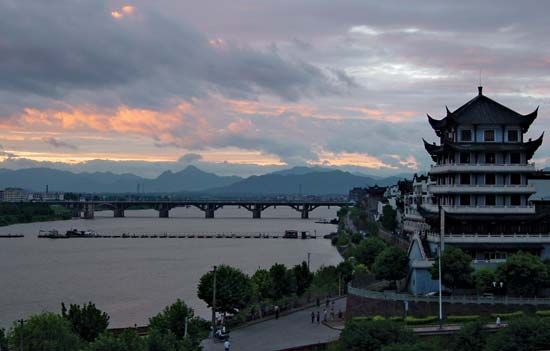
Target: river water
133,279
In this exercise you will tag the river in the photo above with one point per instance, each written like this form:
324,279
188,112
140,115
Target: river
133,279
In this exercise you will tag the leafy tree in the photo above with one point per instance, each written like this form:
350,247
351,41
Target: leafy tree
364,335
325,280
471,337
372,228
389,218
87,321
344,270
303,278
3,340
233,289
44,332
523,274
417,346
261,284
456,268
172,321
391,264
356,238
158,341
524,334
281,280
129,340
483,280
368,249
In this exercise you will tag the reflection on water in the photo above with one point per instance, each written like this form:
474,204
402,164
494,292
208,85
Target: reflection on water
133,279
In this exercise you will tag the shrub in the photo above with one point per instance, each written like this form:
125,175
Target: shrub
463,319
373,335
509,315
422,320
396,319
544,313
378,318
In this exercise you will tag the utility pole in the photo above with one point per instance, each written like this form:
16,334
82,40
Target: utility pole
185,330
214,303
21,335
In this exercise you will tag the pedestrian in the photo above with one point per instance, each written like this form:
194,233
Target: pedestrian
332,313
276,312
498,322
318,302
325,314
312,317
340,314
327,302
318,317
226,345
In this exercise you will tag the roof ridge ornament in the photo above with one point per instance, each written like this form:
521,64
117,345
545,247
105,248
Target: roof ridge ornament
448,112
480,90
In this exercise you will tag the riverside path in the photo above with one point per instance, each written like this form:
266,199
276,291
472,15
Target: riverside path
291,330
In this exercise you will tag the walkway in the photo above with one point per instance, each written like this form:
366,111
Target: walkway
291,330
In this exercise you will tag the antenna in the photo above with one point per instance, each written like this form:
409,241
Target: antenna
480,77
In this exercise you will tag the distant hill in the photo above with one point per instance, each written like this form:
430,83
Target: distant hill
297,180
313,183
36,179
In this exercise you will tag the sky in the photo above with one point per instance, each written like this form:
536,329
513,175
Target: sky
247,87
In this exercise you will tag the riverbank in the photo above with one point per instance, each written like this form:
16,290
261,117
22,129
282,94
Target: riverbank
28,212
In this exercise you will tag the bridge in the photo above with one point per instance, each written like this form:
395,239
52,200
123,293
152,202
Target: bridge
86,209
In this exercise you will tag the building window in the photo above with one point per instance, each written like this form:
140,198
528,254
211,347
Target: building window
515,200
464,157
464,179
466,135
515,179
513,135
490,200
515,158
465,200
490,157
489,135
490,179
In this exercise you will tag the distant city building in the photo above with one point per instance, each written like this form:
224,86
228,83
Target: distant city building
480,181
46,196
14,195
413,222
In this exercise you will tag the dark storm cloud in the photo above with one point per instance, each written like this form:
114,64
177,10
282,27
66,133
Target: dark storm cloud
76,51
59,143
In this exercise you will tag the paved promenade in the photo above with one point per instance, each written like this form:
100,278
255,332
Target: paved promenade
288,331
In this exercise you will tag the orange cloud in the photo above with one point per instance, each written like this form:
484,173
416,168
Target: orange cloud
351,158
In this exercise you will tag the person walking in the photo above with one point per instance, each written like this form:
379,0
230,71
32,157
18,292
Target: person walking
498,322
276,312
325,314
318,317
226,345
312,317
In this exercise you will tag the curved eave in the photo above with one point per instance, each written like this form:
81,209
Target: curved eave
528,119
533,145
432,149
437,124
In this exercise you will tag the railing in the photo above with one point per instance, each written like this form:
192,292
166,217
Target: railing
491,167
493,237
481,209
482,188
392,296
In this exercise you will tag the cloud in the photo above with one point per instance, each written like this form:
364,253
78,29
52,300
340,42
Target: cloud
190,158
59,143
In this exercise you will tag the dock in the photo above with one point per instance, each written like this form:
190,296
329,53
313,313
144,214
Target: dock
11,236
224,235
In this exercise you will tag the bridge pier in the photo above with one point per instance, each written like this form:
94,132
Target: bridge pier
89,210
209,211
75,212
118,212
305,212
164,211
257,213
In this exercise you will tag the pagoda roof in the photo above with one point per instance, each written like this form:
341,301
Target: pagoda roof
482,110
530,147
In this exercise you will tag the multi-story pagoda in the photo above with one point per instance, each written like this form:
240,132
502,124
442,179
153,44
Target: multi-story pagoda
482,169
480,185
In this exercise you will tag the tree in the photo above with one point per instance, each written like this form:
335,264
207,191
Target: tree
365,335
389,218
172,321
368,249
158,341
391,264
345,274
129,340
3,340
44,332
483,280
281,280
261,284
87,321
523,274
523,334
303,278
325,280
471,337
372,229
233,289
456,268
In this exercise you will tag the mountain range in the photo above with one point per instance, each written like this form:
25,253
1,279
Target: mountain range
297,180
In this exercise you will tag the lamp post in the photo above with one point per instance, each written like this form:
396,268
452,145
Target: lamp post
214,303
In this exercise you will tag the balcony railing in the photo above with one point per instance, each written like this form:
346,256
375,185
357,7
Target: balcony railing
471,209
491,238
482,189
481,167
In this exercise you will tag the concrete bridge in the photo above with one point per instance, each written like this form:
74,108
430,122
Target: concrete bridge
86,209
